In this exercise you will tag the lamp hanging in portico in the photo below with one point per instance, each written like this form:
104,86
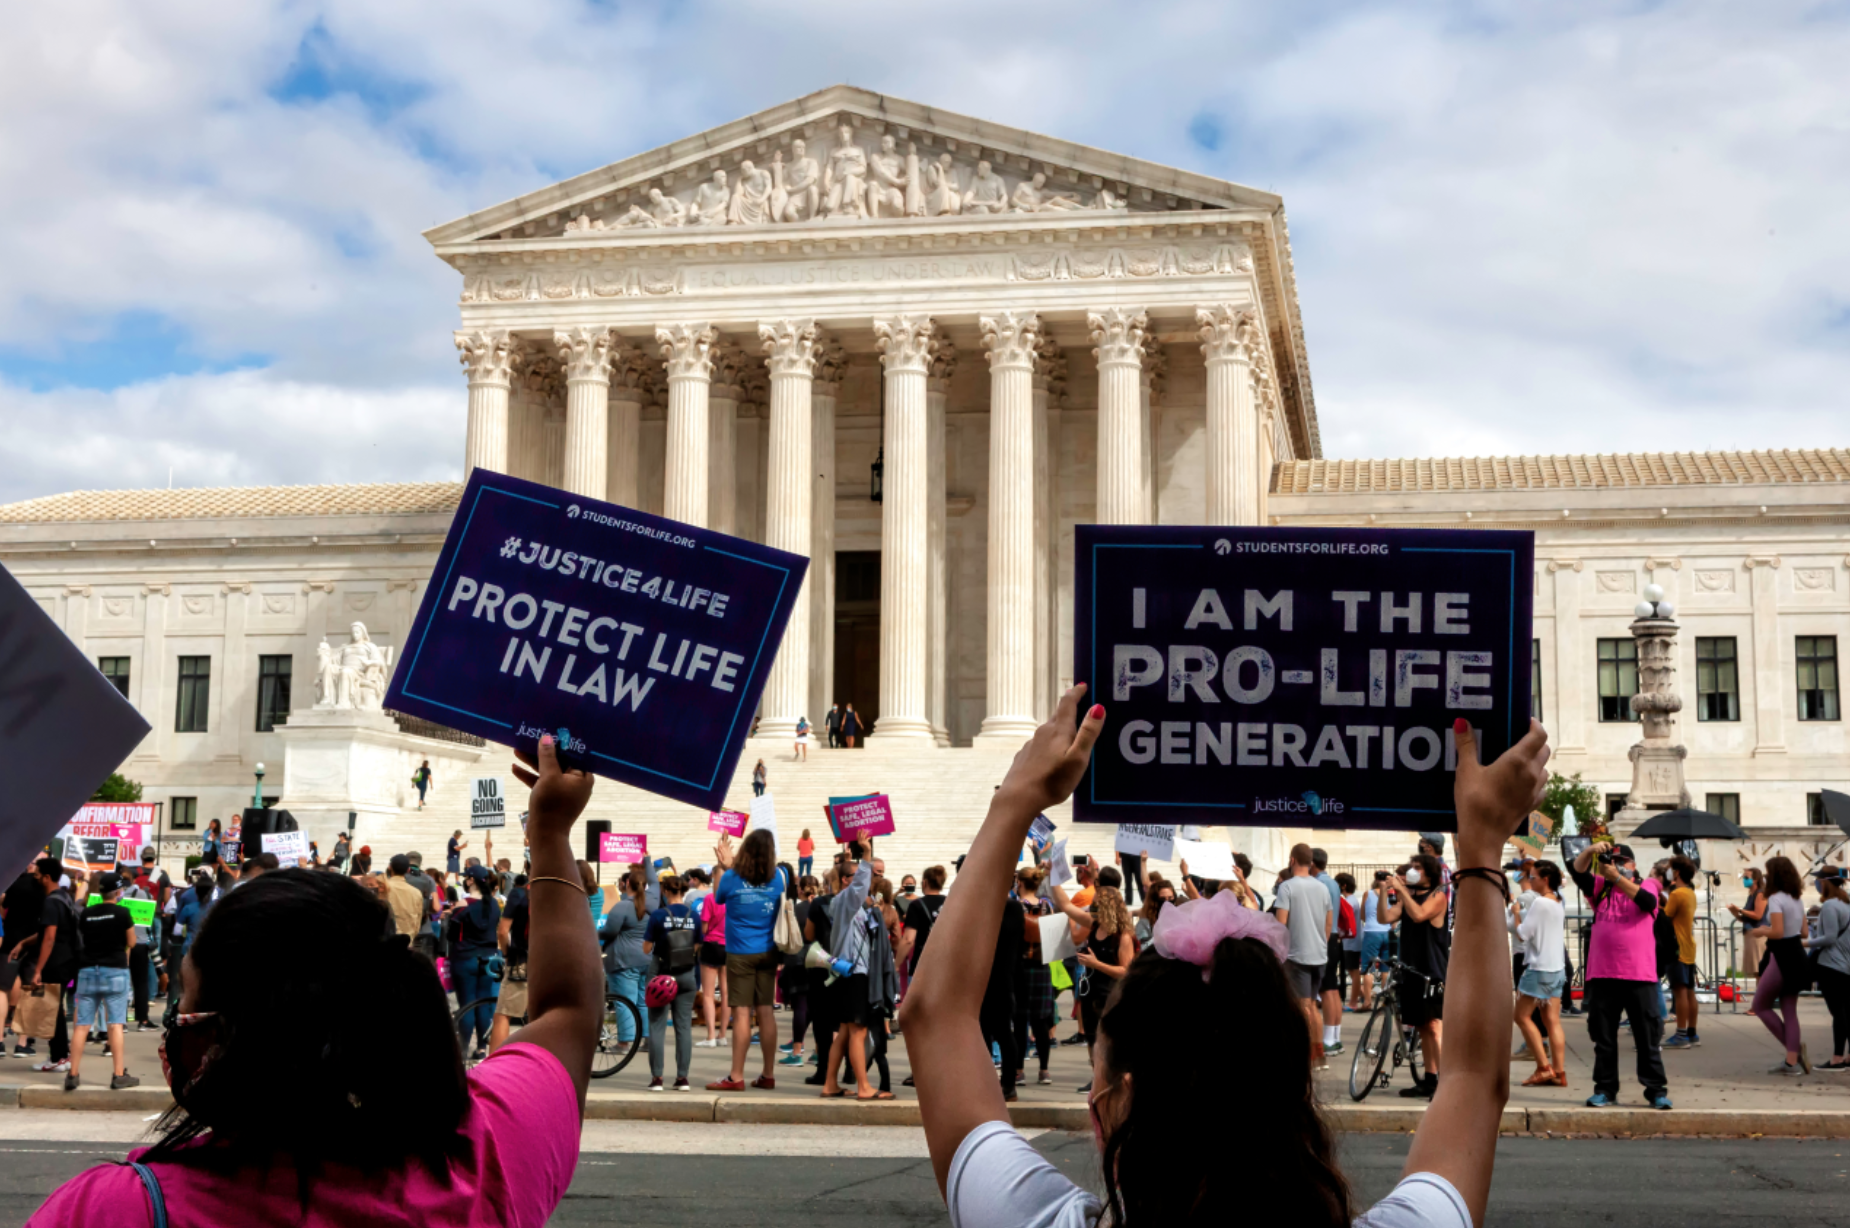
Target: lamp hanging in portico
878,469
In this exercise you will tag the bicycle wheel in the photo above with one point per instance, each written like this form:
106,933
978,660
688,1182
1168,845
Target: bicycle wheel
612,1054
462,1012
1371,1051
1416,1056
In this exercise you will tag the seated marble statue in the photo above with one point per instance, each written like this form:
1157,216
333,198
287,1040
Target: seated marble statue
584,221
795,194
711,200
941,196
1111,202
665,209
1031,196
987,193
751,199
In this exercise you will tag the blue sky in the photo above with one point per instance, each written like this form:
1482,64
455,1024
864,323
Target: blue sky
1517,228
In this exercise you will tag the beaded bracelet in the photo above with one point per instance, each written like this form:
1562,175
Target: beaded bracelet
1495,877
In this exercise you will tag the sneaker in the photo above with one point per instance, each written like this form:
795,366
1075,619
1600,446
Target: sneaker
790,1059
1521,1054
787,1047
1077,1038
907,1082
655,1084
1600,1100
1660,1102
1331,1050
1679,1041
1423,1090
1804,1057
70,1082
1833,1066
123,1081
726,1085
147,1026
54,1067
1087,1086
29,1049
682,1085
1046,1080
816,1080
1785,1068
1692,1038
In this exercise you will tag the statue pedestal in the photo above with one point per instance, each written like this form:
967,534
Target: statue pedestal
338,761
1657,776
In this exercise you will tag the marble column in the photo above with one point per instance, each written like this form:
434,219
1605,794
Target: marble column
937,393
1574,661
1150,389
585,354
687,350
628,376
1049,383
1229,337
1118,333
723,393
1770,684
824,391
906,346
488,355
790,352
552,445
1008,710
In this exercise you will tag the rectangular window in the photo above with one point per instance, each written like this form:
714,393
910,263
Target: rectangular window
1615,802
195,694
116,670
1618,678
1817,662
272,690
1718,687
1535,679
184,812
1814,811
1727,805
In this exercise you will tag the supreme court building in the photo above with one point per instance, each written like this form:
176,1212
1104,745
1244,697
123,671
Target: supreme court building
918,348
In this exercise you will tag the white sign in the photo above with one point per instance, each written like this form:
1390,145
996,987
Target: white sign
764,815
487,804
290,848
1206,859
1156,839
1056,938
1059,873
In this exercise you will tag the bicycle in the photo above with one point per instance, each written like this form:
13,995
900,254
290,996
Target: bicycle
1369,1068
611,1055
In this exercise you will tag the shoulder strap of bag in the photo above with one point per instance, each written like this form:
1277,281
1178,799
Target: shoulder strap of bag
152,1184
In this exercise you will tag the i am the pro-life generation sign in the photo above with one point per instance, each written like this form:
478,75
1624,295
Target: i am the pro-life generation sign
639,643
1296,677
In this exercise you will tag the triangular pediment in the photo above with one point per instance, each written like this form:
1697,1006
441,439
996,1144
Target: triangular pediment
791,165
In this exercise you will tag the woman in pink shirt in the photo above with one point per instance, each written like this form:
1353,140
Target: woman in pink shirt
329,1089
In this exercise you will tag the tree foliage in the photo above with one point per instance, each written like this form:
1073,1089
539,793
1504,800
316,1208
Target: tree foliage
118,788
1565,791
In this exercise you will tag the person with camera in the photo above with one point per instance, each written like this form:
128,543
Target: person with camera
1621,970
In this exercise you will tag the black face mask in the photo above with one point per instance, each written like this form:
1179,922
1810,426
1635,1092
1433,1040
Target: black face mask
187,1046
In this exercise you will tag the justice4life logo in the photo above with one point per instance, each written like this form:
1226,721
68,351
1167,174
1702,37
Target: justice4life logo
1307,803
561,735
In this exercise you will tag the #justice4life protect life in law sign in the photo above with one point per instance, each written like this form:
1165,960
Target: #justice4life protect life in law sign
1296,677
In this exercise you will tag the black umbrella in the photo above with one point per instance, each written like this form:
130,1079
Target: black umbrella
1687,824
1837,809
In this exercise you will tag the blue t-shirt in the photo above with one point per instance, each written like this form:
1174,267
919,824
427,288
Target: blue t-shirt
751,912
1336,898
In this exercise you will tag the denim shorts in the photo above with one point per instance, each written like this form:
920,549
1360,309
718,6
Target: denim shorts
102,997
1542,985
1374,950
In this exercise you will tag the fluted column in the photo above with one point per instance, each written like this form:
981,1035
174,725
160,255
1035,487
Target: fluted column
824,390
1229,336
1118,333
628,376
724,389
687,349
585,354
906,346
1008,709
1150,391
488,355
1049,383
790,353
937,393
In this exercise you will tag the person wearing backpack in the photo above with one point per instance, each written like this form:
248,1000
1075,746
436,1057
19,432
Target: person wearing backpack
1349,931
56,957
1330,988
920,917
672,941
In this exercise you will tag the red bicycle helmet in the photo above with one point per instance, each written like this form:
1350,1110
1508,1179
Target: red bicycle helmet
661,991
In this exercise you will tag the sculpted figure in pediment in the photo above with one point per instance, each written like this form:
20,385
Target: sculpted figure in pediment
844,181
751,199
887,193
797,192
941,196
711,200
665,209
584,222
1032,196
987,194
1111,202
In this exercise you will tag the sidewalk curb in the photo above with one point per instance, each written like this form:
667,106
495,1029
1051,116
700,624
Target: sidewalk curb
770,1110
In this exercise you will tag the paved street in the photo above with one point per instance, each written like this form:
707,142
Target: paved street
819,1176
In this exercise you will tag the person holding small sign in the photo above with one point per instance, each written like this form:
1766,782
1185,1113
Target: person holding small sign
1211,984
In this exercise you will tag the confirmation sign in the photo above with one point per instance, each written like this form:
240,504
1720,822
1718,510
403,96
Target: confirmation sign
1296,677
641,644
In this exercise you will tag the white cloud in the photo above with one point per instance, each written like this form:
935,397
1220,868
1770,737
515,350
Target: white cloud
1516,228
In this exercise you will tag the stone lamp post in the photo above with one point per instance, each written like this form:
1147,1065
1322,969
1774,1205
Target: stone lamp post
1657,759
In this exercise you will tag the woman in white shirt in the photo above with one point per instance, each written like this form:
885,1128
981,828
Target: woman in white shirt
1211,983
1541,927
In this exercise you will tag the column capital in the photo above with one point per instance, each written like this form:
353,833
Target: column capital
632,374
687,349
540,374
943,366
586,352
728,366
1117,334
790,347
831,364
1011,339
1155,365
1050,368
906,343
489,354
1229,334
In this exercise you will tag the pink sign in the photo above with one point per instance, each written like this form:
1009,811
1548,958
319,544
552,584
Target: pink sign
730,822
624,850
864,816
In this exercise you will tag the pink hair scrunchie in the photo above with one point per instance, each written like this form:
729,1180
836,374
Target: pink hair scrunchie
1192,930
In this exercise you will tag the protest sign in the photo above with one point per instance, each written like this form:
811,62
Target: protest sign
1153,838
92,854
487,803
1297,677
290,848
63,726
622,849
1059,873
727,822
830,813
129,824
642,645
142,912
1056,938
1205,858
862,817
1533,834
1040,833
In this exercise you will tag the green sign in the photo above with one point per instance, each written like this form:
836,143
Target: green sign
141,910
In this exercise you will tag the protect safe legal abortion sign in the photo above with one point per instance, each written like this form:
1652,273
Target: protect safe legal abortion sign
1296,677
640,643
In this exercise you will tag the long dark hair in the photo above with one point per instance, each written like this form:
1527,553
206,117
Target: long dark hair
1782,875
316,1086
757,859
790,881
1162,1164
